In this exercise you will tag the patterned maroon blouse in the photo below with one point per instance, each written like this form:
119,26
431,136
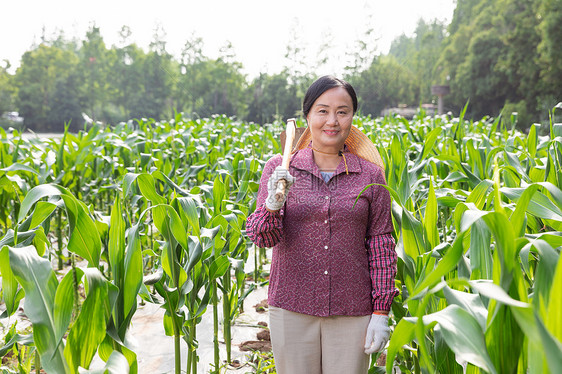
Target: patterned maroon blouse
329,258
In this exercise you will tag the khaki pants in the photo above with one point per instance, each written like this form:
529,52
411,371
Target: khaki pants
304,344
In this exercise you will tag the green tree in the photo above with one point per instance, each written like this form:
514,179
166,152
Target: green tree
272,98
160,73
296,66
490,57
221,89
208,87
7,89
192,63
66,106
420,54
45,73
464,13
517,25
386,83
550,53
95,63
364,50
127,77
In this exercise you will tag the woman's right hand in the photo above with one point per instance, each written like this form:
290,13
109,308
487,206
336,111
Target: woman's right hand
279,173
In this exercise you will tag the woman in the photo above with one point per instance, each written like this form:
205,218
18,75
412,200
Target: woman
333,265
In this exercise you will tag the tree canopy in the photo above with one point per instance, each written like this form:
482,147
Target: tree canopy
497,55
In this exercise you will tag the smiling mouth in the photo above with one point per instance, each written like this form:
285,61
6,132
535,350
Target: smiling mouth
331,132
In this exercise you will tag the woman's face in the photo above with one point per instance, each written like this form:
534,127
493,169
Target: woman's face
330,119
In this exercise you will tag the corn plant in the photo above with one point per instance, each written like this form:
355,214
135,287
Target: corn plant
477,221
477,215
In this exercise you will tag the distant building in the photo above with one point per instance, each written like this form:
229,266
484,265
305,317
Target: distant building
409,112
11,119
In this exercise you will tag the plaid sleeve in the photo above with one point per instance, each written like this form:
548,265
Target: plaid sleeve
264,227
382,268
381,246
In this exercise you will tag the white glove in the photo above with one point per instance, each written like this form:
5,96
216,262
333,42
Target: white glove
279,173
378,333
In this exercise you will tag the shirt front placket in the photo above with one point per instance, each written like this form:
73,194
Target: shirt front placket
321,190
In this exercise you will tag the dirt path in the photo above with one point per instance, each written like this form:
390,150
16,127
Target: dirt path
155,350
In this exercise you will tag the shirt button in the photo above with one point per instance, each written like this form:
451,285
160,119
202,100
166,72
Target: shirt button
326,221
327,197
325,247
326,272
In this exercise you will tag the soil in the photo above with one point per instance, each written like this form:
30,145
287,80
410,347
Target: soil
261,307
256,345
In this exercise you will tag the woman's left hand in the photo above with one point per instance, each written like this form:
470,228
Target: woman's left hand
378,333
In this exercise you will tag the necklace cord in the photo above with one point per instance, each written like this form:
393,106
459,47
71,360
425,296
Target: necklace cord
340,153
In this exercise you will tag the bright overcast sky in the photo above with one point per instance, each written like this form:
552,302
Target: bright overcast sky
259,30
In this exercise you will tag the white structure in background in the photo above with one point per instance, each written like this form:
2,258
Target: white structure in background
13,117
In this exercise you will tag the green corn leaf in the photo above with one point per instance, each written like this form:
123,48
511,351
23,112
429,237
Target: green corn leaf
34,195
133,271
128,183
165,213
64,302
219,191
11,293
189,209
518,217
539,205
116,364
16,339
430,219
475,158
402,335
480,193
514,162
495,292
89,330
430,141
554,312
528,320
170,260
412,235
556,193
43,210
148,190
40,284
481,250
472,303
218,267
20,167
545,269
159,175
116,245
532,141
463,335
445,265
195,253
551,346
500,227
84,237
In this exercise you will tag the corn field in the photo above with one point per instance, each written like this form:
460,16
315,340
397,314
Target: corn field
156,212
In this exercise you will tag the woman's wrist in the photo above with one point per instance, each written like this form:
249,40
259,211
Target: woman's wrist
381,312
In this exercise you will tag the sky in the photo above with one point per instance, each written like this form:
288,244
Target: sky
259,30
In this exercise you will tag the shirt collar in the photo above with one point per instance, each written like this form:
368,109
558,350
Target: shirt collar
304,160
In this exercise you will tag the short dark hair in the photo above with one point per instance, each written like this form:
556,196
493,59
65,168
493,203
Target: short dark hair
322,85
